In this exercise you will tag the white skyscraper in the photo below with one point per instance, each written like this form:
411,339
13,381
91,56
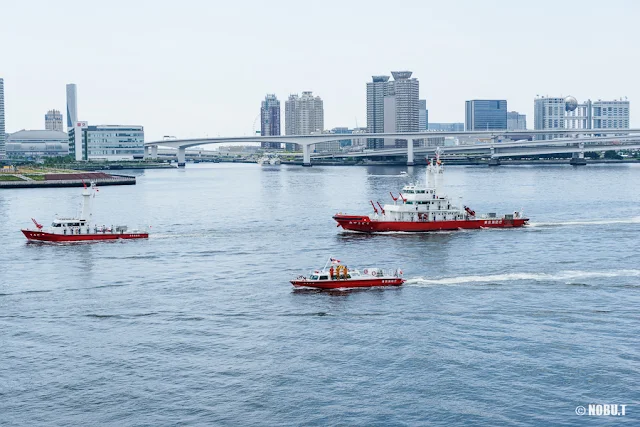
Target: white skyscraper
2,130
53,120
72,105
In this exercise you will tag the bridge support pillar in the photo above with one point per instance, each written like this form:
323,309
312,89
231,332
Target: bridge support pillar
578,160
154,152
494,161
146,152
181,156
306,155
410,152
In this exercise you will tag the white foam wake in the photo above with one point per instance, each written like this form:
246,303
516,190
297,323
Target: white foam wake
635,220
569,275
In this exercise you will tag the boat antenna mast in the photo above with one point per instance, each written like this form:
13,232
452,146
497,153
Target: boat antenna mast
87,194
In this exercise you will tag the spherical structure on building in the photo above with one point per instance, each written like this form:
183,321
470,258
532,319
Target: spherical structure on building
570,103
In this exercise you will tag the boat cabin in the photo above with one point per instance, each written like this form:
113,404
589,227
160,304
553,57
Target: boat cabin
418,202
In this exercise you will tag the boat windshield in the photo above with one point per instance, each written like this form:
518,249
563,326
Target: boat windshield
314,277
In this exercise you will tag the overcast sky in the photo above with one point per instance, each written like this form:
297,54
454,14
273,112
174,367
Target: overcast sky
195,68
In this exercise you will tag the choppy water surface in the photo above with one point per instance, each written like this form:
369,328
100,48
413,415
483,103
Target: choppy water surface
199,325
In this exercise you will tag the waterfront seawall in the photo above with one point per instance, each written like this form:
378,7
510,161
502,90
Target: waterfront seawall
71,182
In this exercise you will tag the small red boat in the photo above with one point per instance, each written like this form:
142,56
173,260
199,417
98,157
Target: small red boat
339,276
80,229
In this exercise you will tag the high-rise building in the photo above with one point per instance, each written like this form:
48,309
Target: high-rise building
548,113
106,142
53,120
270,120
393,106
2,129
72,105
485,114
567,113
377,89
423,118
303,115
516,121
610,114
406,91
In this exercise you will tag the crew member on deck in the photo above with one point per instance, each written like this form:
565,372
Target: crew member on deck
331,273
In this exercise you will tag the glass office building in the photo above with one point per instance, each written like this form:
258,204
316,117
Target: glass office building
485,114
110,142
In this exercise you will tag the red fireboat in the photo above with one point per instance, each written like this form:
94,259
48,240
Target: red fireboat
422,209
339,276
80,229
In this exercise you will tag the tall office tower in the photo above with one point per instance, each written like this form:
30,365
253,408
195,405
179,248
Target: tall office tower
303,115
376,91
53,120
485,114
3,152
610,114
516,121
270,120
72,105
405,93
423,118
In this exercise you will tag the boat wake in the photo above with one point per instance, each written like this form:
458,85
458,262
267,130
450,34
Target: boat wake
635,220
561,276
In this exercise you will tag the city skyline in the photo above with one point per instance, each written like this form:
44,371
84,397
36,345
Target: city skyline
203,104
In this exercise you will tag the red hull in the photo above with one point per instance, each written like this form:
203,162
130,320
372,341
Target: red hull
366,225
50,237
354,283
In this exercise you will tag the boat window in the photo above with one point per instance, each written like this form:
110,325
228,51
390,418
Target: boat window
314,278
420,191
409,191
409,202
324,278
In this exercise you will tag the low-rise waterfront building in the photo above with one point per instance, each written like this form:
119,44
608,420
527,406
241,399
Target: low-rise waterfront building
106,142
37,144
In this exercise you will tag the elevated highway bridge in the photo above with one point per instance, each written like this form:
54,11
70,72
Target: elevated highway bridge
576,141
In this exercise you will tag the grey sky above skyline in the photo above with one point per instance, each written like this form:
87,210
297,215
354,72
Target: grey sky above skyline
200,68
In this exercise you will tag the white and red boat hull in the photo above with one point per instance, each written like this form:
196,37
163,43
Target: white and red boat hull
43,236
348,283
365,224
